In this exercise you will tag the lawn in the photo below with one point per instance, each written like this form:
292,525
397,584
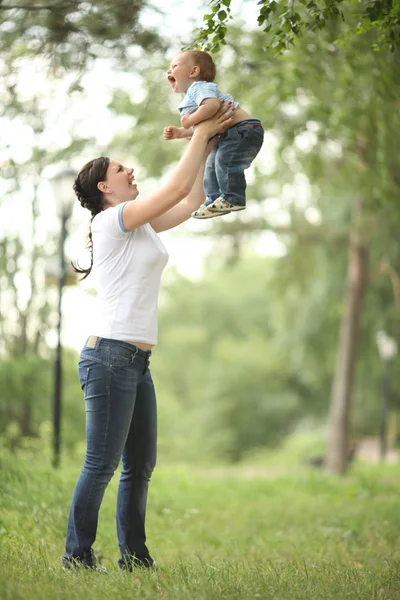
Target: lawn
217,532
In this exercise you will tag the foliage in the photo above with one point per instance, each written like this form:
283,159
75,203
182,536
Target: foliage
241,366
344,144
72,34
26,311
237,368
23,380
246,355
283,22
26,396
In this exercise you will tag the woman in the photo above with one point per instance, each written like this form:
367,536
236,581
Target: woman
128,259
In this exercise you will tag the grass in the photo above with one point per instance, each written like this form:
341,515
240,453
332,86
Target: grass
218,533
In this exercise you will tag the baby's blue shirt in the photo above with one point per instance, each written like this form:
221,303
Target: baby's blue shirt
199,91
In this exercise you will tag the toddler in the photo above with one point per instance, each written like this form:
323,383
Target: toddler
192,72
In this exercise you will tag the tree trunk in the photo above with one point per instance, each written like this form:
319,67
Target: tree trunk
340,407
25,420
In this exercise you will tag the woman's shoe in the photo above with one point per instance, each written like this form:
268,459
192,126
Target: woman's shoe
86,561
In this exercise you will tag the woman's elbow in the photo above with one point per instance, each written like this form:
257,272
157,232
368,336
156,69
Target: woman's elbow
176,191
183,190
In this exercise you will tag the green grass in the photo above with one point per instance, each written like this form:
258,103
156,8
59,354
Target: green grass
218,533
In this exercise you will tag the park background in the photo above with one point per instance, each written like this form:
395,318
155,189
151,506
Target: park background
279,415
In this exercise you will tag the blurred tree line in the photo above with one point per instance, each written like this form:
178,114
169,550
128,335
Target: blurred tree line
260,346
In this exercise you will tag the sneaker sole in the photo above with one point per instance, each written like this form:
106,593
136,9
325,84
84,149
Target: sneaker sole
213,214
233,209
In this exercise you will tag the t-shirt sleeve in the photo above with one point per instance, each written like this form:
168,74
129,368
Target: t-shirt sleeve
202,90
110,222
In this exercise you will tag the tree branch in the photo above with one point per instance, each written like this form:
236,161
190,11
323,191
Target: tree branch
27,7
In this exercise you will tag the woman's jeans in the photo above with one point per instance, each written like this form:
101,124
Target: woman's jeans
121,421
224,174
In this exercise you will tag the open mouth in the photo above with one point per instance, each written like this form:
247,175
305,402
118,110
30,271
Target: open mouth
171,79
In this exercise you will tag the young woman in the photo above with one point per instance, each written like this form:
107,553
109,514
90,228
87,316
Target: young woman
127,260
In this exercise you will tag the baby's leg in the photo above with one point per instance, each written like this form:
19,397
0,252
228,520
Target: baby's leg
235,153
211,187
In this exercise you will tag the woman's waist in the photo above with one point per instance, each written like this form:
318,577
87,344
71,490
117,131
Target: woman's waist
138,330
96,342
141,345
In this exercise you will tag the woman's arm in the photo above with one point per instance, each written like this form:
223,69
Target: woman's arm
141,211
182,211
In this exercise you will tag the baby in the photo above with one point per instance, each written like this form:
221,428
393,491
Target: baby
192,72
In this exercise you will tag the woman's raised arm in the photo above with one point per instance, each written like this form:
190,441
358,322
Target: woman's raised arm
141,211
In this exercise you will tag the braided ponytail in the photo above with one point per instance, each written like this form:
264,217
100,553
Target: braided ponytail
90,197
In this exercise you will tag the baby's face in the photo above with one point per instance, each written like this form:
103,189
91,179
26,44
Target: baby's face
181,74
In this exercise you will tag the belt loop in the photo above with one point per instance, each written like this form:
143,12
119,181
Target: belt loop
98,340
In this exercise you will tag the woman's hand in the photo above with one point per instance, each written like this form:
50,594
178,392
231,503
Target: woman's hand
218,123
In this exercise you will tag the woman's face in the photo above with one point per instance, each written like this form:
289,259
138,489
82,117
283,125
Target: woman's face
119,185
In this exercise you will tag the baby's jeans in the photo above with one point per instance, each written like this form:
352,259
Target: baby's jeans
224,174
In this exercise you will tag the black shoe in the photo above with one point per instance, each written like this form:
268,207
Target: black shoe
85,561
137,562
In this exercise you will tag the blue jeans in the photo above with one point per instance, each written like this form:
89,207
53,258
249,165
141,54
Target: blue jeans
224,174
121,421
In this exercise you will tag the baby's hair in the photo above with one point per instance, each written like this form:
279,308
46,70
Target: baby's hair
203,60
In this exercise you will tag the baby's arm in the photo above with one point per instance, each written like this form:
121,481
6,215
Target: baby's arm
175,133
207,109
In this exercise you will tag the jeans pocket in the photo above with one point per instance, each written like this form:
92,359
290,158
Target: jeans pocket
83,374
121,360
96,385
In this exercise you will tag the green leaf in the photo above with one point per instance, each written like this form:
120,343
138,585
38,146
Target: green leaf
222,15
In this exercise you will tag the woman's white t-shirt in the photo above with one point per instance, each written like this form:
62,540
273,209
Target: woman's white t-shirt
127,267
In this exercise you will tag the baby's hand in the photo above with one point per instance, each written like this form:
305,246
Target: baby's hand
171,133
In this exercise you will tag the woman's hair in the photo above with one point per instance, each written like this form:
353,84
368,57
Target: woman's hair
208,70
90,197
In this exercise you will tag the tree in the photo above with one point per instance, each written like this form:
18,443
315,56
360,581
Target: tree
71,33
284,22
27,304
349,151
333,113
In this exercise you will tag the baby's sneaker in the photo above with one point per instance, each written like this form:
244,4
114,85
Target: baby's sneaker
204,212
221,206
